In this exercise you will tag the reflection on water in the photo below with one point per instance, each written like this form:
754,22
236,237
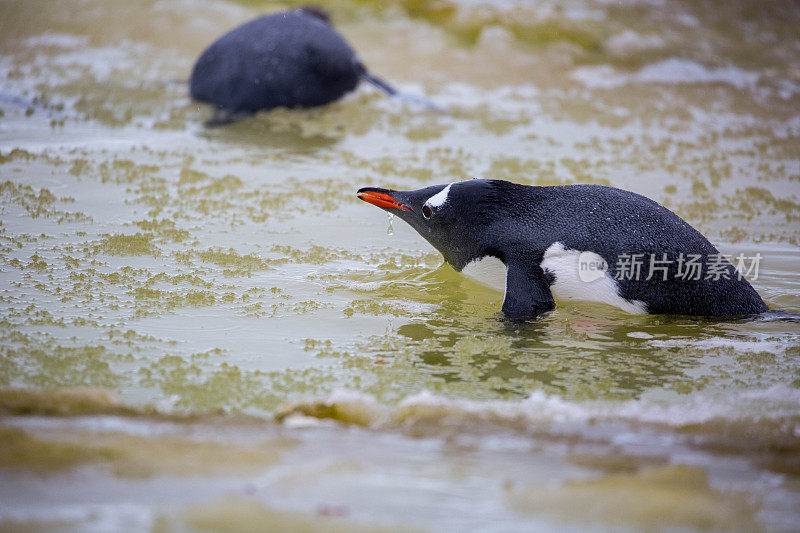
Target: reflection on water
215,279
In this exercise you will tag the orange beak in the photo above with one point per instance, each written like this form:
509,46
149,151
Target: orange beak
382,200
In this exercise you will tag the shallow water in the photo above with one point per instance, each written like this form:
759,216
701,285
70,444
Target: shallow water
278,358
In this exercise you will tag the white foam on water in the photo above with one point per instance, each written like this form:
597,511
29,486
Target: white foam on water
91,517
538,406
629,42
297,421
508,99
368,286
779,401
677,71
722,342
59,40
417,308
97,423
776,402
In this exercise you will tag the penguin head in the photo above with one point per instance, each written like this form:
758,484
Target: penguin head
457,218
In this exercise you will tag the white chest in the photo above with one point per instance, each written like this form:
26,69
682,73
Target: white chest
583,276
488,271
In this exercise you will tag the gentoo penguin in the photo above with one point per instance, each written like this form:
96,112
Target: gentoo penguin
577,242
288,59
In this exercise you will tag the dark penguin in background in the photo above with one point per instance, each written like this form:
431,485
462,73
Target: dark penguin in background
288,59
546,235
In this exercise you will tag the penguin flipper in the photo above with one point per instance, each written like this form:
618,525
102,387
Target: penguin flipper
527,291
384,86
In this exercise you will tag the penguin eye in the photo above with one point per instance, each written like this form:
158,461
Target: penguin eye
426,212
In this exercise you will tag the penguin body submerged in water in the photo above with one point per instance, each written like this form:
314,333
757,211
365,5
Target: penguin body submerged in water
287,59
579,242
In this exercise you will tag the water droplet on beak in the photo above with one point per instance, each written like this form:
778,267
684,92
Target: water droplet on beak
389,228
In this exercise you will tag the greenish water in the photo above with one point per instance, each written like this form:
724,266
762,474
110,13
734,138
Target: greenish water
248,312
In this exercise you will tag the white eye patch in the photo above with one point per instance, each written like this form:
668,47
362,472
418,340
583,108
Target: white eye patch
439,198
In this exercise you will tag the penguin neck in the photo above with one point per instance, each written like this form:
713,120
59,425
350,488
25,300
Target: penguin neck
463,256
